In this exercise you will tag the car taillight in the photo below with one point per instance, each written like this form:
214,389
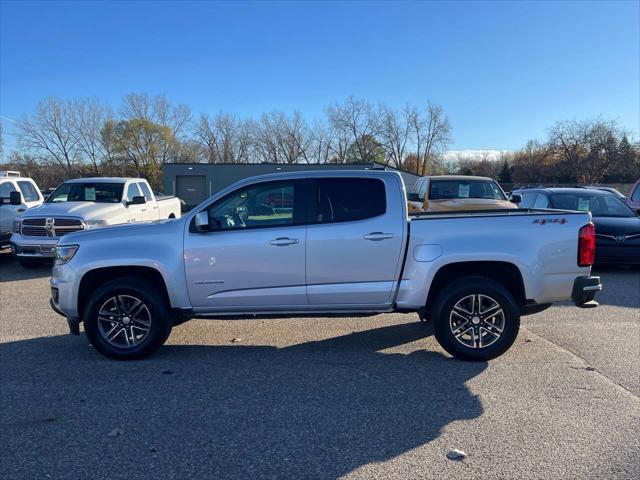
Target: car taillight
587,245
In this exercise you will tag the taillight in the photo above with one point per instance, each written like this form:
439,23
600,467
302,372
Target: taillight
587,245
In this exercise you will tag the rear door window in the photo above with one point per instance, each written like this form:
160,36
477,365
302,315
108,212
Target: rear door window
348,199
145,191
133,191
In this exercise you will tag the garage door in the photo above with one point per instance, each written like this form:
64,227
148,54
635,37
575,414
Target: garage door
192,189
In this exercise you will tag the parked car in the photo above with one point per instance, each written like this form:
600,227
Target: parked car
617,225
346,247
86,203
17,195
457,193
633,200
612,190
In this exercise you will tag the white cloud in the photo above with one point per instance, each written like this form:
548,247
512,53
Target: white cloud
493,155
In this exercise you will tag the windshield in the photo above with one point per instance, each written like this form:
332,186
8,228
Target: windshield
599,205
87,192
449,189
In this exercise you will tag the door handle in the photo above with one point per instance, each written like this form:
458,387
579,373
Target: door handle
283,241
377,236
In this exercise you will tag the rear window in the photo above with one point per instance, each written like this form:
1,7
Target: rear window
349,199
452,189
29,192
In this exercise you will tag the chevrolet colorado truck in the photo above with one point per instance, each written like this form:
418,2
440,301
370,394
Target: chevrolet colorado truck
17,195
342,244
86,203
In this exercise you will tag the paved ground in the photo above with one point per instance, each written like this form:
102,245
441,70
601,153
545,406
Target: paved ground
359,398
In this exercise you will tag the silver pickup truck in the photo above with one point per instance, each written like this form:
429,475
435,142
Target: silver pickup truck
318,243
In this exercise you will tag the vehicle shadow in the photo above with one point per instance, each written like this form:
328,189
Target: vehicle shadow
12,271
314,410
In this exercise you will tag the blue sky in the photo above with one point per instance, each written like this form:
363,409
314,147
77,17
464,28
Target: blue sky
503,71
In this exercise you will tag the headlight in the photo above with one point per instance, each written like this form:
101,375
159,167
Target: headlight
96,223
64,253
16,226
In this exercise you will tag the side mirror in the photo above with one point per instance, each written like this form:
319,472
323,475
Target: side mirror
201,222
15,198
139,200
413,197
515,198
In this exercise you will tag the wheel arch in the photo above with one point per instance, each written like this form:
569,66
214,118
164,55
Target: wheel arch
98,276
505,273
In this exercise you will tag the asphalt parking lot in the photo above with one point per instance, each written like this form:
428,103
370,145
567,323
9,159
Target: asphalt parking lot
321,398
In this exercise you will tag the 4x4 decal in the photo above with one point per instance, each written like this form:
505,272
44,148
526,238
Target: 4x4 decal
543,221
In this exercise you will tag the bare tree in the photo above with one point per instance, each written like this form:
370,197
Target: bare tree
587,148
395,134
223,138
361,121
88,117
432,134
280,138
321,142
49,133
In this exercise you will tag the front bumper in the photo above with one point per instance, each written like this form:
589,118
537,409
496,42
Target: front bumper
24,247
584,291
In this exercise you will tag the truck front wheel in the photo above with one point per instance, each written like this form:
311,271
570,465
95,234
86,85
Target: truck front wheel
475,318
127,319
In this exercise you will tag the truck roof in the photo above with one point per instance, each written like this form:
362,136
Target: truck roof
103,180
457,177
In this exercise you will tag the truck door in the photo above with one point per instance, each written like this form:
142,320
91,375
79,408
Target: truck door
253,255
136,213
150,210
355,238
8,212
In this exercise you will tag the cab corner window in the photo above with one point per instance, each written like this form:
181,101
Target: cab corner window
349,199
263,205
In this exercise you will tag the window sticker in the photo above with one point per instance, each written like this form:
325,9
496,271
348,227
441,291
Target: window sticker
90,194
463,190
583,204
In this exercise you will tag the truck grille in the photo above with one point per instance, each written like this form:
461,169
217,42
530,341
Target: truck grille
50,227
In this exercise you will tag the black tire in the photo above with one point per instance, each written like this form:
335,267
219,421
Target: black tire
461,289
33,263
159,318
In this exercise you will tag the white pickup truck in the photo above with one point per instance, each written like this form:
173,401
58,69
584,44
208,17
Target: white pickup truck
316,243
17,195
86,203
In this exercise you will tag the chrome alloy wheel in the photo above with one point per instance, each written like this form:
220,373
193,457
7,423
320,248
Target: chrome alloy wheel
477,321
124,321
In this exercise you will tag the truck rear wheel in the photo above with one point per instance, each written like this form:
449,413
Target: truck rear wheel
475,318
127,319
